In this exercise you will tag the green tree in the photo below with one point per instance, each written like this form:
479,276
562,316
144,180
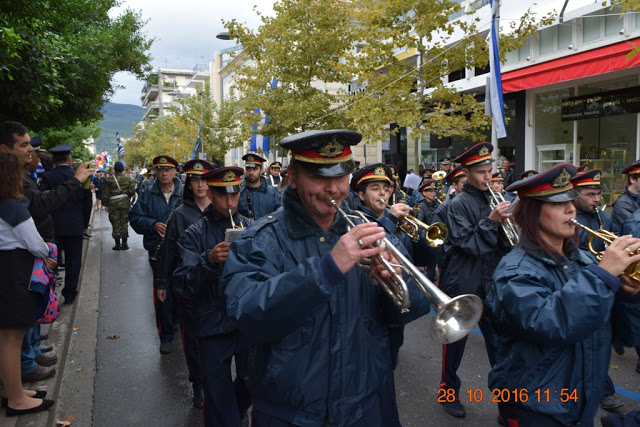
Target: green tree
301,46
78,136
407,48
58,57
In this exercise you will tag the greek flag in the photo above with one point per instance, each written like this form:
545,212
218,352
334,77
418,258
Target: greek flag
120,147
495,106
197,147
258,140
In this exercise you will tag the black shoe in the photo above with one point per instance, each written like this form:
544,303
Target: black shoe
125,246
610,402
117,247
69,300
46,404
43,336
618,348
455,409
165,347
198,396
39,395
45,348
86,236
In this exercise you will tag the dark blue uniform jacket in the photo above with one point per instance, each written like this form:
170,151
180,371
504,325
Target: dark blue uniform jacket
591,220
67,218
264,199
553,331
321,348
151,207
623,208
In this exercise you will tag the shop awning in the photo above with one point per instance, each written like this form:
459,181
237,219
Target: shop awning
583,64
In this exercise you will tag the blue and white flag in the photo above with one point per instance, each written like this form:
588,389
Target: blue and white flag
120,147
197,147
496,100
257,139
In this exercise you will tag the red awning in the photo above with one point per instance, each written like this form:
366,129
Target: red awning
583,64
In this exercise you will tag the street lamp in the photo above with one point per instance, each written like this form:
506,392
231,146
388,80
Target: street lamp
223,35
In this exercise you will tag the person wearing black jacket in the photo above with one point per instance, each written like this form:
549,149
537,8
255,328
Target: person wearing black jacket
194,203
628,202
476,246
203,250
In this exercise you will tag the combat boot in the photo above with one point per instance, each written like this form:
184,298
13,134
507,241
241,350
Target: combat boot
117,247
125,247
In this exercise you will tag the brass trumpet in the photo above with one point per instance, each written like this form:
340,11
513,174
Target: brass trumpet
632,271
439,176
510,228
233,224
455,317
435,234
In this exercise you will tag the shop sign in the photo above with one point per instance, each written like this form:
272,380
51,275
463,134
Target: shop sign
603,104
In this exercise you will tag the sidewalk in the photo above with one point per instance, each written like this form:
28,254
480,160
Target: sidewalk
73,337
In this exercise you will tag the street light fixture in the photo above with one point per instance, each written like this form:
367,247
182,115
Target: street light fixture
223,35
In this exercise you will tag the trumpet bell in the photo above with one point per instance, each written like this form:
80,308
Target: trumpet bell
456,318
438,175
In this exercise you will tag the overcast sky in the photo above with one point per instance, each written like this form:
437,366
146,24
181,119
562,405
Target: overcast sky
185,30
185,33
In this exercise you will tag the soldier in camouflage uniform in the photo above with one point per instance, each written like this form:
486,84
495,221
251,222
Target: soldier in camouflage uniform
116,199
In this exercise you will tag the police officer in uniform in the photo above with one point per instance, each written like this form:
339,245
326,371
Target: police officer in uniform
67,219
149,217
257,197
194,204
203,251
117,193
320,349
477,243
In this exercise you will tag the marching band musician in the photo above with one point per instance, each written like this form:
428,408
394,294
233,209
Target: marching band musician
148,217
319,329
194,203
257,198
497,183
446,167
456,179
628,203
477,244
528,173
397,196
550,305
203,251
587,184
429,204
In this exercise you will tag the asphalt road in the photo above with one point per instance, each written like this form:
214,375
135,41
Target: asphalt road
114,374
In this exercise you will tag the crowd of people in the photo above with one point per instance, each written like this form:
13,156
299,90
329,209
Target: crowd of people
274,271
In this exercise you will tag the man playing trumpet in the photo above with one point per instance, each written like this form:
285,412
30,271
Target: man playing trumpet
319,329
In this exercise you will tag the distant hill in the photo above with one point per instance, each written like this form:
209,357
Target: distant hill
120,118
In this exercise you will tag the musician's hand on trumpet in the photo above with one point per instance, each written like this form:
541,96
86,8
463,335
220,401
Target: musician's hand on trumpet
400,210
160,228
219,253
355,245
500,212
380,270
616,258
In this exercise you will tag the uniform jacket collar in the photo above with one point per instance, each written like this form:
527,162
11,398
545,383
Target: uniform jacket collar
475,192
262,188
576,255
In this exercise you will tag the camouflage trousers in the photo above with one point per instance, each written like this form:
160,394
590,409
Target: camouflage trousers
119,217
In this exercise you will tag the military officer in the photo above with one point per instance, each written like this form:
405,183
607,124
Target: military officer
149,217
67,220
257,198
117,193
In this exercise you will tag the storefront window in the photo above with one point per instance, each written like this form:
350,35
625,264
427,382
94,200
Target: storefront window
553,137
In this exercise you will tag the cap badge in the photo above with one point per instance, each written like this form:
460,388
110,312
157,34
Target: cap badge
332,149
484,151
250,159
379,171
596,177
229,177
561,180
163,160
198,167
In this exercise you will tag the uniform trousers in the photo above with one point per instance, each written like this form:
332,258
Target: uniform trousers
190,343
225,401
519,416
72,246
452,356
164,310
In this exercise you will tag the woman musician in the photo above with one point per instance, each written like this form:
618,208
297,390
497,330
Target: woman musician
550,305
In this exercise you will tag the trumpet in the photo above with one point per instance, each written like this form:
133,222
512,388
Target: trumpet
455,317
439,176
632,271
510,228
233,224
435,234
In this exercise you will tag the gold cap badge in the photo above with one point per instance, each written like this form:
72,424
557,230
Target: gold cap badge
229,177
163,160
597,177
562,180
198,167
483,151
379,171
332,149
